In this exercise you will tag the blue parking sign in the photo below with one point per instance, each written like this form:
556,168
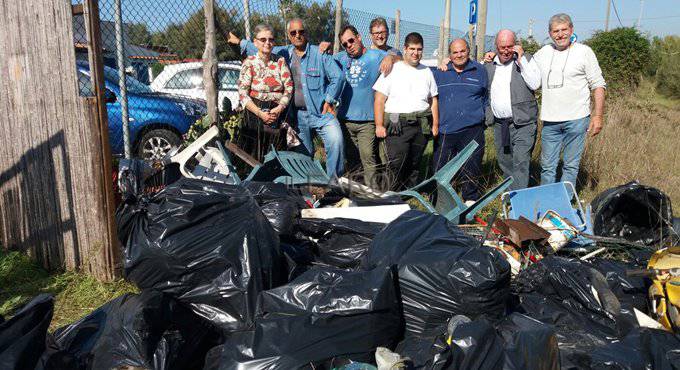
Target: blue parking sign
473,11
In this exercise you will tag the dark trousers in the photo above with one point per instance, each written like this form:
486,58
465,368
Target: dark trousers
256,137
448,146
403,153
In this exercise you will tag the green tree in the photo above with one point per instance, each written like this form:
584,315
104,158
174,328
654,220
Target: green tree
138,33
668,73
623,54
529,45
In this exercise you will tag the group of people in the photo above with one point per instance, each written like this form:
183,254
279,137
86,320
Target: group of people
375,108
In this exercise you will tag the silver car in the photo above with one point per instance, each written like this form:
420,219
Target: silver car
186,79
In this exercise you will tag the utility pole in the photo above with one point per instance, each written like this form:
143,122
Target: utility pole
642,5
440,51
338,21
606,20
447,26
481,29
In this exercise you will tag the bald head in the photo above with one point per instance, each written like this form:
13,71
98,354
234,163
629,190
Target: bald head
505,42
459,53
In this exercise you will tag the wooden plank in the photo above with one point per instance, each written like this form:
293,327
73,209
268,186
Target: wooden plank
53,184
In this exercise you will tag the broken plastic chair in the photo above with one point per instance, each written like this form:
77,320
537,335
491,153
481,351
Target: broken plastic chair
447,202
289,168
210,163
534,203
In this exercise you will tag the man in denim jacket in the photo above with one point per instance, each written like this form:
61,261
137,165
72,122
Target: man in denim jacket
318,85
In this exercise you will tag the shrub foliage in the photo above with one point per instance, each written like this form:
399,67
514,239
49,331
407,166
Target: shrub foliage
623,54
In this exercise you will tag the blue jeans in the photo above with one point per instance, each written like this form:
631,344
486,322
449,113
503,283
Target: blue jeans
328,128
569,136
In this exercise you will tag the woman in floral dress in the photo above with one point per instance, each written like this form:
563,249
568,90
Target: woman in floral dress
265,87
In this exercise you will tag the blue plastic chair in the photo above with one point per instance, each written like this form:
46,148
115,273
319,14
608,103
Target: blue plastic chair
446,201
533,203
289,168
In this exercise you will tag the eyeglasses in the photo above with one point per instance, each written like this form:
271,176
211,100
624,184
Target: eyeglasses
384,33
297,32
555,80
265,39
349,42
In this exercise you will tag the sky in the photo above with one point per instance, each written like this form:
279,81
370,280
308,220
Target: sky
659,17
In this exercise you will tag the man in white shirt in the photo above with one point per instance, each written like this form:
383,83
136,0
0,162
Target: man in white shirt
405,105
569,73
513,111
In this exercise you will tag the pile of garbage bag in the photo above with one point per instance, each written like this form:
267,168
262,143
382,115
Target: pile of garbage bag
233,277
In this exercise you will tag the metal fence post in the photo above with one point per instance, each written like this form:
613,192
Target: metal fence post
210,62
246,18
397,20
120,61
338,21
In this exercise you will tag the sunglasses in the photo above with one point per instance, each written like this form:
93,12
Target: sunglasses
348,42
297,32
265,39
383,33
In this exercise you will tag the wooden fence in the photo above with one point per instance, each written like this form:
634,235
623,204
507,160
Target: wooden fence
54,201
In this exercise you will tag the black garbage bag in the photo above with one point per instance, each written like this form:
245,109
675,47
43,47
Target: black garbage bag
529,344
633,212
573,296
23,337
641,349
517,342
340,242
279,203
206,244
322,315
149,331
441,271
300,256
631,291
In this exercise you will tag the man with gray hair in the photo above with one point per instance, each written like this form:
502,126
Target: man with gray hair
512,110
318,84
569,74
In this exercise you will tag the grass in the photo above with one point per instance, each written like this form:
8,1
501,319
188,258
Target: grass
76,294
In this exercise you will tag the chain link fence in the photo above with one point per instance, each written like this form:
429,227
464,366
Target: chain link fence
163,42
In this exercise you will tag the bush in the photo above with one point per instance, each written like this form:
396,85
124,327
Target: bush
623,54
668,72
530,45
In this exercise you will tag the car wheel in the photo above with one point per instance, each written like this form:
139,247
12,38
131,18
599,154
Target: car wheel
155,144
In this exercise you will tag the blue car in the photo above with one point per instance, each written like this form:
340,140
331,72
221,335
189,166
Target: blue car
157,120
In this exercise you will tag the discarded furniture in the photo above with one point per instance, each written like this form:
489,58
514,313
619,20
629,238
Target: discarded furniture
382,214
521,230
446,201
204,162
289,168
534,203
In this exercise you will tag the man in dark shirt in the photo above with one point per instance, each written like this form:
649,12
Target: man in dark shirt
463,98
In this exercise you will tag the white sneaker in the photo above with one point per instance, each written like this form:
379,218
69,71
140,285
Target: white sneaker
469,203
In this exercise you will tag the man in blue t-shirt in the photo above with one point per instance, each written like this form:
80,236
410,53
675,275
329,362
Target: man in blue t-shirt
361,67
463,98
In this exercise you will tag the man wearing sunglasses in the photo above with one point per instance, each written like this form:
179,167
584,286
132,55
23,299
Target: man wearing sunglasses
379,34
362,67
569,74
318,84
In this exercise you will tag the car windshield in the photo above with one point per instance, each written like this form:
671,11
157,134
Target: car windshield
133,85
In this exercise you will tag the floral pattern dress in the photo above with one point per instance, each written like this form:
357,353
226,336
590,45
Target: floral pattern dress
266,81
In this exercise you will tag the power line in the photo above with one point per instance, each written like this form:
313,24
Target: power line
617,13
626,19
